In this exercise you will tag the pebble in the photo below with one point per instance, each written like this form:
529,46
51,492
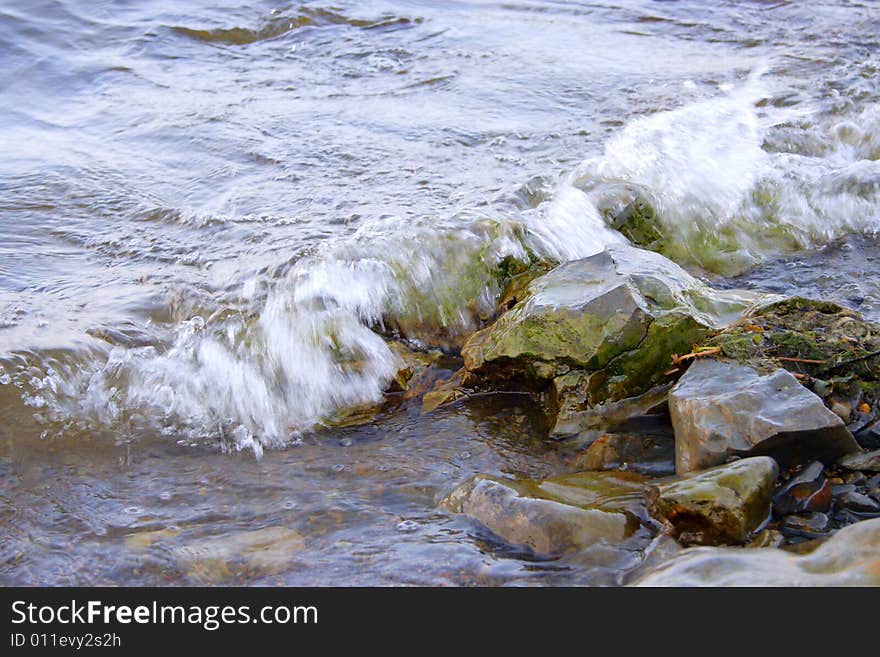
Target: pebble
808,524
841,410
407,526
857,502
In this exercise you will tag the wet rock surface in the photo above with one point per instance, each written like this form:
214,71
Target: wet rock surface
521,515
645,453
807,492
723,408
599,329
724,504
851,557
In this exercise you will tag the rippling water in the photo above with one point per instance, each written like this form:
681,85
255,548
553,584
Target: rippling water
210,211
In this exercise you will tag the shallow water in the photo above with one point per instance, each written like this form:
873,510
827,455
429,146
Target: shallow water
209,209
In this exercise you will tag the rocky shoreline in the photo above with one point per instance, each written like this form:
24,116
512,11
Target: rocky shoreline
738,431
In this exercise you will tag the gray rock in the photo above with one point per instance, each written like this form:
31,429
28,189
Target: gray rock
722,408
810,525
851,557
855,501
866,461
724,504
547,526
598,329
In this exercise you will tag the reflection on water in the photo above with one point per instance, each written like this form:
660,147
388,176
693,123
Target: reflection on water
209,210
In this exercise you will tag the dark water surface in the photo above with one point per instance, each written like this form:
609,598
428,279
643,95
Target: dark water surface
207,207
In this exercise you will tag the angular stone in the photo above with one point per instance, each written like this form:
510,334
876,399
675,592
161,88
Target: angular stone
601,328
724,504
867,461
722,408
809,525
869,436
855,501
522,517
808,491
851,557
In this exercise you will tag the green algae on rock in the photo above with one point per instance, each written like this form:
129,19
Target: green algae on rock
599,329
724,504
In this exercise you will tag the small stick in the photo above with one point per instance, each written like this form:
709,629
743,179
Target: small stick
800,360
702,351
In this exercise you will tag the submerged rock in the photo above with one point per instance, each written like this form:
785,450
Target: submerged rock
554,516
849,558
264,551
724,504
598,329
722,408
647,454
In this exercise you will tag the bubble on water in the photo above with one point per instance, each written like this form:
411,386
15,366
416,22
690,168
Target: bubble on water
100,531
133,510
346,442
383,468
339,467
465,455
165,496
407,526
174,528
288,504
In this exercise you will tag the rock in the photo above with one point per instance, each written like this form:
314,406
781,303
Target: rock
808,525
855,501
867,461
642,453
214,559
767,538
522,513
851,557
841,410
724,504
598,329
722,408
808,491
869,437
414,370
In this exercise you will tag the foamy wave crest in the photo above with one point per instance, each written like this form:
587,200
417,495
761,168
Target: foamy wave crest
723,194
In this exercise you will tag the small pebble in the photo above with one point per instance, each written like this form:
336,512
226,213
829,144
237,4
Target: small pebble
407,526
843,411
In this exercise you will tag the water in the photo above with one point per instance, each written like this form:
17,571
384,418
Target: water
211,214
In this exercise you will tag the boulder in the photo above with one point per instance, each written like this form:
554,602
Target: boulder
599,329
851,557
724,504
722,408
550,517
